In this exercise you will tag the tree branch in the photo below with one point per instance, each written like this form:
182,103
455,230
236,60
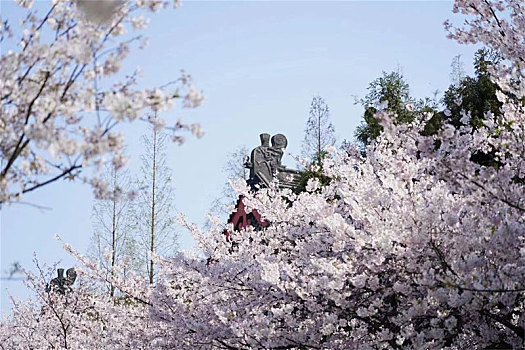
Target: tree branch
66,172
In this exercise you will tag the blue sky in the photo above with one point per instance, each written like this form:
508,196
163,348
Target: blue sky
259,65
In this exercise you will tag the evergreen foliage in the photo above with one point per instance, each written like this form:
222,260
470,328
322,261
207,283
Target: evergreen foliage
389,92
476,95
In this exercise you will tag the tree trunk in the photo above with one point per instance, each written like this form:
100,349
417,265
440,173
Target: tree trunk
152,246
113,232
319,138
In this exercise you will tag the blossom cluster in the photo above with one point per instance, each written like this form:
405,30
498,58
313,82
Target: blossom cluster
61,94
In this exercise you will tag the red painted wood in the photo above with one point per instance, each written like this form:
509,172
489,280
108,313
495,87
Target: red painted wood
240,219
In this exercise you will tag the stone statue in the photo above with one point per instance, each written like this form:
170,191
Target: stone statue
265,163
260,166
60,283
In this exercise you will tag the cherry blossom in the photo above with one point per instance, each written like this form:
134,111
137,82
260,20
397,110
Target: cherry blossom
62,97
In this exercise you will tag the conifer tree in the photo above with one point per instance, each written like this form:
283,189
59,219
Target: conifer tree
319,131
154,209
112,240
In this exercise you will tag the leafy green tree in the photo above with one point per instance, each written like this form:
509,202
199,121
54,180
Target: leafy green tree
476,95
472,95
312,173
390,92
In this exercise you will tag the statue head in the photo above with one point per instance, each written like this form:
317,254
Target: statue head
265,139
279,141
71,276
